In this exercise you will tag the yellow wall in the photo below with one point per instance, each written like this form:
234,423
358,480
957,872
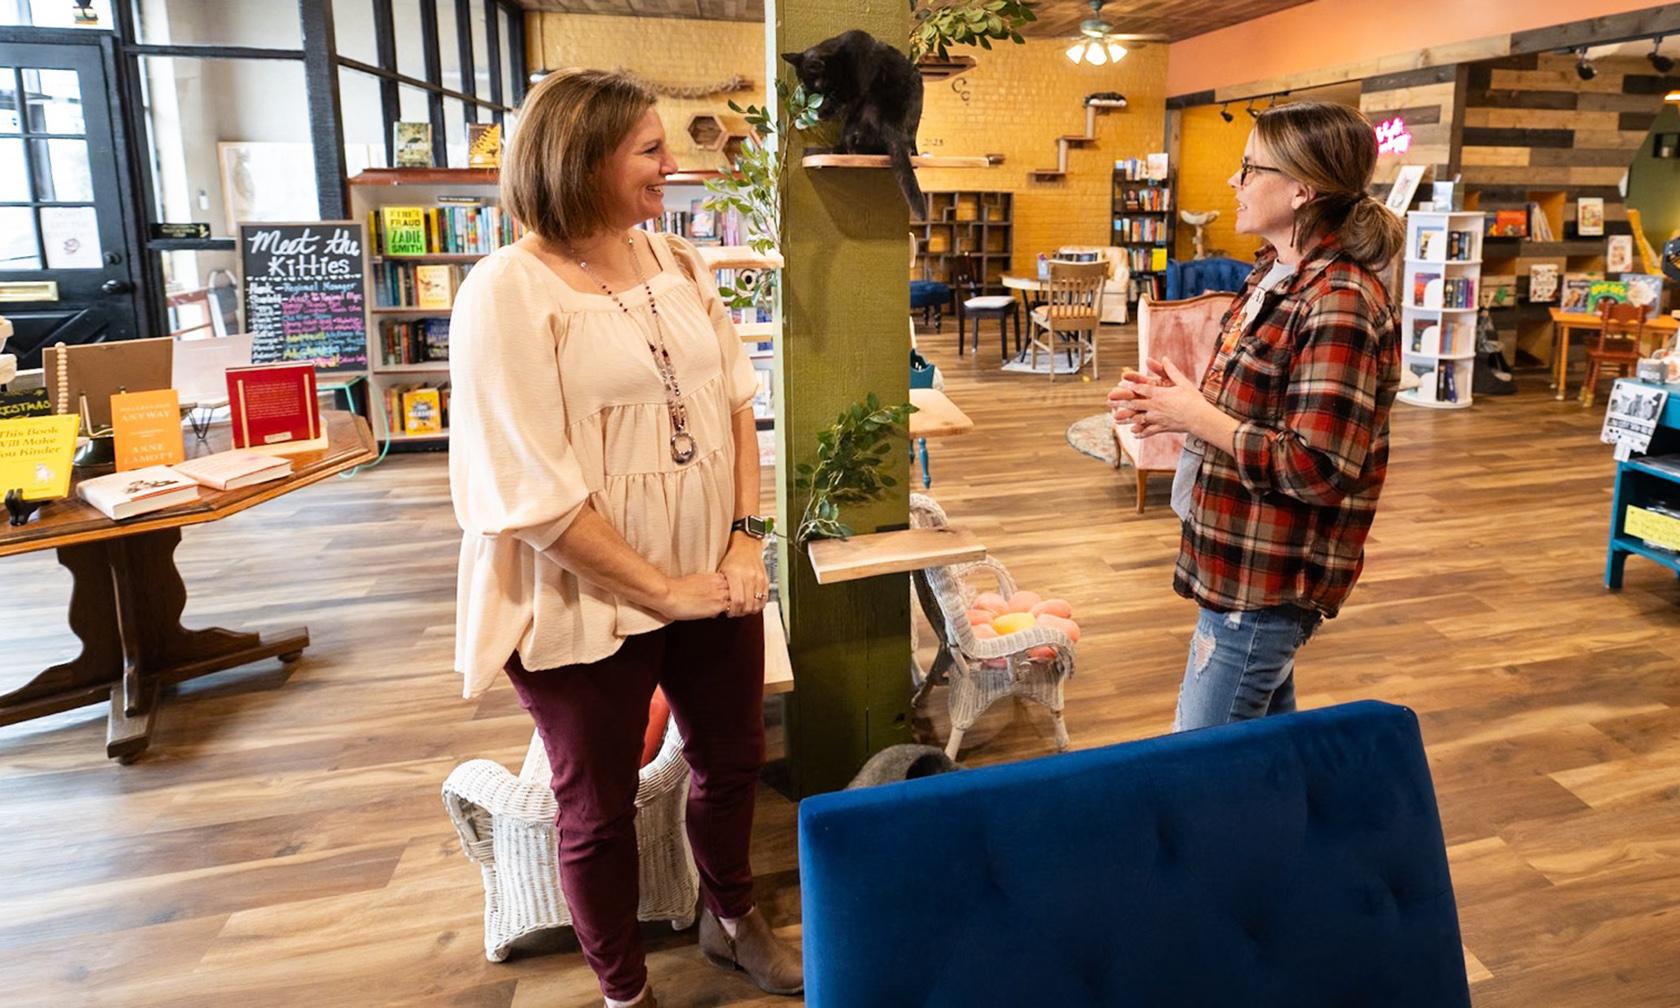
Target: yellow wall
1020,99
1211,150
670,51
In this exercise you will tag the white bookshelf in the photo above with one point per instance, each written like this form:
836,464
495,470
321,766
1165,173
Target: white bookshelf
1439,290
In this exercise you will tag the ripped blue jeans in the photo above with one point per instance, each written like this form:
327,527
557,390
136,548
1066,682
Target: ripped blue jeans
1242,665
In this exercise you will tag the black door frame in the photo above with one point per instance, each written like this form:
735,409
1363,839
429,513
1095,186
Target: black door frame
132,247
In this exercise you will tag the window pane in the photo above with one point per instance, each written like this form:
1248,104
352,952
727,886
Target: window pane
363,123
201,293
270,24
229,141
509,64
353,30
62,173
51,14
54,101
9,120
14,180
481,54
415,109
455,131
18,250
411,50
449,45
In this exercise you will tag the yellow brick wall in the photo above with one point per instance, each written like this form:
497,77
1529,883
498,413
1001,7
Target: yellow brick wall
1019,100
670,51
1211,150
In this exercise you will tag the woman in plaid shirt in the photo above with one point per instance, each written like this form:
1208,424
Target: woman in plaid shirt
1287,439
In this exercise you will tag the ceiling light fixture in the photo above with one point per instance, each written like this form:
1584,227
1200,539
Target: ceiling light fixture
1660,63
1583,69
1225,113
1097,44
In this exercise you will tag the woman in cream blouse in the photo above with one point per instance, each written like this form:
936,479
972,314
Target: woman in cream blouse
603,463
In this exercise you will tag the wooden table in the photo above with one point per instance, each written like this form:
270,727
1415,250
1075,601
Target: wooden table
127,595
936,415
1563,323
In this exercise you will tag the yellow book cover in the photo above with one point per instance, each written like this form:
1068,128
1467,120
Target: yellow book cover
1158,259
35,454
434,286
422,411
484,145
403,230
147,428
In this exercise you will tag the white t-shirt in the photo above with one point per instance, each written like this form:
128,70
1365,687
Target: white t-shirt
1190,459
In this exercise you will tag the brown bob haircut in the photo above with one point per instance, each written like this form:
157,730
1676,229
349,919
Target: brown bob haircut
568,125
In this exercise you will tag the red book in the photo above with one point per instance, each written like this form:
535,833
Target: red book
274,409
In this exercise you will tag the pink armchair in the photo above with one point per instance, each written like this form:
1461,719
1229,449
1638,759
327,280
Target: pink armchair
1185,333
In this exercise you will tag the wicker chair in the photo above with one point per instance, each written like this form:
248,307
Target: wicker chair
981,672
506,824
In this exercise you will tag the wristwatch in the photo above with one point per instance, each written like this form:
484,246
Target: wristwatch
752,525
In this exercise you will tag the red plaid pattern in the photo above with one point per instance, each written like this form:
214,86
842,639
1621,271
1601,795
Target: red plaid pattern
1312,380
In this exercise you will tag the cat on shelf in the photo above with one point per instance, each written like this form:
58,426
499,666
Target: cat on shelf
876,94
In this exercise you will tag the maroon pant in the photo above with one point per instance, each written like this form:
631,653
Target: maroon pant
592,718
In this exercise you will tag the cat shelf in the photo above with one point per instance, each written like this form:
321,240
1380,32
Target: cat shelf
876,553
882,161
738,257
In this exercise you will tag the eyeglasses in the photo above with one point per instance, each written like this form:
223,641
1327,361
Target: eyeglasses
1248,167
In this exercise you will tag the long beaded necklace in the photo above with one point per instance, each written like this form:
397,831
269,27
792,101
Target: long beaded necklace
682,443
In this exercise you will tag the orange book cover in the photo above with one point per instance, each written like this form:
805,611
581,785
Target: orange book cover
147,428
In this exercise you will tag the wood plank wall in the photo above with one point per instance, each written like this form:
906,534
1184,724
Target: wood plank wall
1428,101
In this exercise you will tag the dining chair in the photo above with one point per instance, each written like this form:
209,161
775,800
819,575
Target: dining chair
1071,314
1620,332
970,284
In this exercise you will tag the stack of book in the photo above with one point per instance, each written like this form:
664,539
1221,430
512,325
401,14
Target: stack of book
415,285
457,228
414,341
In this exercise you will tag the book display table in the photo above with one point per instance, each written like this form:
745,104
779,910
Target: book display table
127,595
1564,323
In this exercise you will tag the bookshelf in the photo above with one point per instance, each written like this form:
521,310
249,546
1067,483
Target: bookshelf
975,223
1440,291
1142,213
418,335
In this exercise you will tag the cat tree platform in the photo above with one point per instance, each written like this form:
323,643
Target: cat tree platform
883,161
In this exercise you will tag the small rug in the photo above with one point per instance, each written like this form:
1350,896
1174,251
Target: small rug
1021,364
1091,436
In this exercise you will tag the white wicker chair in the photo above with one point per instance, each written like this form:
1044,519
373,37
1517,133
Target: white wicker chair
506,824
981,672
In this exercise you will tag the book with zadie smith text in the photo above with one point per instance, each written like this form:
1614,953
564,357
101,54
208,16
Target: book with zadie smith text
273,408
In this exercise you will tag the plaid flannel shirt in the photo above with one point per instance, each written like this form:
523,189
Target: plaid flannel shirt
1311,380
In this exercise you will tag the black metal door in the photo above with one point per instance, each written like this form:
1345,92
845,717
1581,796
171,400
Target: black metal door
66,224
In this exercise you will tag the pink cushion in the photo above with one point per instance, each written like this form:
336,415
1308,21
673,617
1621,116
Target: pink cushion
1186,333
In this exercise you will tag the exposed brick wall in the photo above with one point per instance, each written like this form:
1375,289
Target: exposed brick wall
1020,99
1212,150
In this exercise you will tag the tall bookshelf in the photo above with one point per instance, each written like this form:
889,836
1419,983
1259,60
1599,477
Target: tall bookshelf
1142,214
974,223
1440,291
472,188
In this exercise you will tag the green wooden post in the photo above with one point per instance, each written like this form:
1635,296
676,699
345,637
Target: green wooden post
845,305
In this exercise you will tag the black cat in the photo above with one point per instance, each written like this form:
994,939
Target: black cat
875,92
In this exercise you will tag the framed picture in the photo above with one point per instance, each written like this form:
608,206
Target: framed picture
261,182
1405,187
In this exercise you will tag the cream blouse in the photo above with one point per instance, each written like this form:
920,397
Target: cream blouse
556,401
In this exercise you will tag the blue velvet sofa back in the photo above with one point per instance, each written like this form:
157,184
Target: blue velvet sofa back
1290,862
1188,277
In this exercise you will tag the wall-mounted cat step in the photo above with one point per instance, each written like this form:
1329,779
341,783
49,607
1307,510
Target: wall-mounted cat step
1069,141
882,161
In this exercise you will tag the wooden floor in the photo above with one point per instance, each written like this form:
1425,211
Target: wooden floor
283,843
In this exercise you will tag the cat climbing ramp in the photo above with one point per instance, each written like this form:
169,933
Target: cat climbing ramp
1069,141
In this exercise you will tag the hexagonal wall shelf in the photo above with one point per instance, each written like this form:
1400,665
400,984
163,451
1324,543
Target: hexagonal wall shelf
719,132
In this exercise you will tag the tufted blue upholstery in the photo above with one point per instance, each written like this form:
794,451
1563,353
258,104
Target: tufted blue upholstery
1291,862
1188,277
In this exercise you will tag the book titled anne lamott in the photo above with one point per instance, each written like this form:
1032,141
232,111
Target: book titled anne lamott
274,409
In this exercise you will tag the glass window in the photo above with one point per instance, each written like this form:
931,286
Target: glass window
449,45
62,172
201,293
53,101
364,126
416,108
269,24
10,121
455,131
14,176
228,141
353,30
510,65
481,52
18,248
54,14
411,49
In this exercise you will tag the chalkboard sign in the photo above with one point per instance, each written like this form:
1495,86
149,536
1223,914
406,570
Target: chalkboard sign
303,293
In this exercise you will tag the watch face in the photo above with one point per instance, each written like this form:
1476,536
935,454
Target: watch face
755,526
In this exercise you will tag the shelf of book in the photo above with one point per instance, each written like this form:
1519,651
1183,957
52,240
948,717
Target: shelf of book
1440,288
1141,217
430,257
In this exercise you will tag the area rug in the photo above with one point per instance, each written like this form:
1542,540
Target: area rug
1021,364
1091,436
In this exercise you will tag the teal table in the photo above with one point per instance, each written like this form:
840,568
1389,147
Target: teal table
1638,482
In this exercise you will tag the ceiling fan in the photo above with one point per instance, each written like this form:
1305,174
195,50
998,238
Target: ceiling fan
1098,43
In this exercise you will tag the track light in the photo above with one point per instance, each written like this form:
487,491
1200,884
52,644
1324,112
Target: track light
1583,69
1225,112
1252,112
1660,63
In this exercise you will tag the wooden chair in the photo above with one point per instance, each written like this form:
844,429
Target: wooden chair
972,300
1621,329
1071,313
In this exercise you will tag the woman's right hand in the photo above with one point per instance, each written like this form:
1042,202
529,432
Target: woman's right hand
697,596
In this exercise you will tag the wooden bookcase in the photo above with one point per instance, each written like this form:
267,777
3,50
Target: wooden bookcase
966,222
1142,214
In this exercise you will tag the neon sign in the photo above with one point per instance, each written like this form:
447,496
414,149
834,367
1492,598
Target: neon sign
1393,137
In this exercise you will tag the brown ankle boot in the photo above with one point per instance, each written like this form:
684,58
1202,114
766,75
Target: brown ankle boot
771,963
